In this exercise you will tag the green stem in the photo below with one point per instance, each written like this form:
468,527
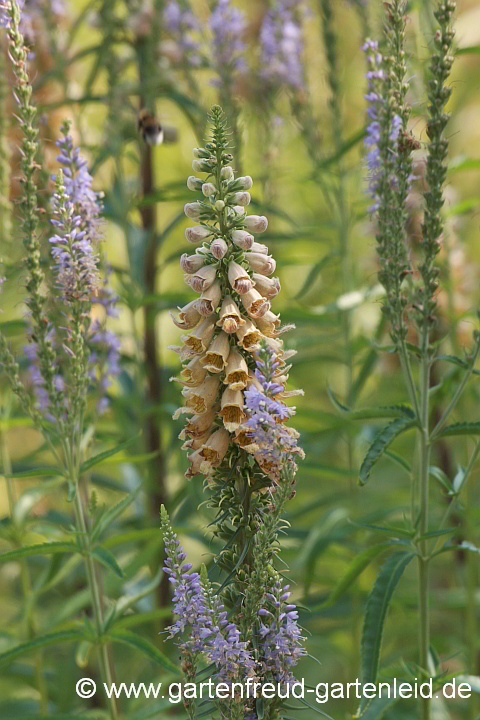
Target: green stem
472,584
105,664
423,558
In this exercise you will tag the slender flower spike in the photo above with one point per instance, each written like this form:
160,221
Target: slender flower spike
281,40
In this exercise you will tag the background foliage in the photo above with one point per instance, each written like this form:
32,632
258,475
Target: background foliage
304,150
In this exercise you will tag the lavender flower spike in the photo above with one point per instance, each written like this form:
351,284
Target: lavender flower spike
272,442
228,26
281,39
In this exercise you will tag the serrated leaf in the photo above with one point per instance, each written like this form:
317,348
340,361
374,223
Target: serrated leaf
383,439
461,428
40,549
106,558
372,413
96,459
376,612
40,642
356,567
459,362
145,646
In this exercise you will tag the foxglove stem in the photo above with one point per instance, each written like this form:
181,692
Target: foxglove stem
5,206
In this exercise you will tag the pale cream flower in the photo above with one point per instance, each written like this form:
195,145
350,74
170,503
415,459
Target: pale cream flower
193,210
259,248
268,324
256,223
195,443
199,339
268,287
263,264
194,373
194,183
245,182
188,317
214,449
202,279
191,263
209,299
226,173
249,336
197,234
202,398
243,239
230,316
242,198
232,409
198,425
219,248
196,459
236,372
238,278
217,354
255,304
209,189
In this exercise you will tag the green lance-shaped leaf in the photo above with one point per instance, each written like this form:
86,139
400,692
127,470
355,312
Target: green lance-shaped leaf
376,612
40,642
106,558
356,567
144,646
461,428
384,438
97,459
372,413
49,548
112,514
377,707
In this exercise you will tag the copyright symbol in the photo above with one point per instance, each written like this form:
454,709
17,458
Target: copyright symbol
86,688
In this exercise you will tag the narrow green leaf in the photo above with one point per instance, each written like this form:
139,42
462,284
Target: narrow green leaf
459,362
145,646
383,439
372,413
376,611
439,475
314,273
96,459
112,514
50,548
106,558
356,567
461,428
377,708
37,472
399,460
40,642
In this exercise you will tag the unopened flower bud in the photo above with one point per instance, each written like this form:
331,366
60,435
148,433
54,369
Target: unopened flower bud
256,223
226,173
219,248
208,189
259,248
201,153
191,263
219,205
201,165
242,198
193,210
194,183
245,182
242,239
261,263
196,234
203,278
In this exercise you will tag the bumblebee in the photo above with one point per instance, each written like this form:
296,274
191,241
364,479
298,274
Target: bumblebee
150,128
